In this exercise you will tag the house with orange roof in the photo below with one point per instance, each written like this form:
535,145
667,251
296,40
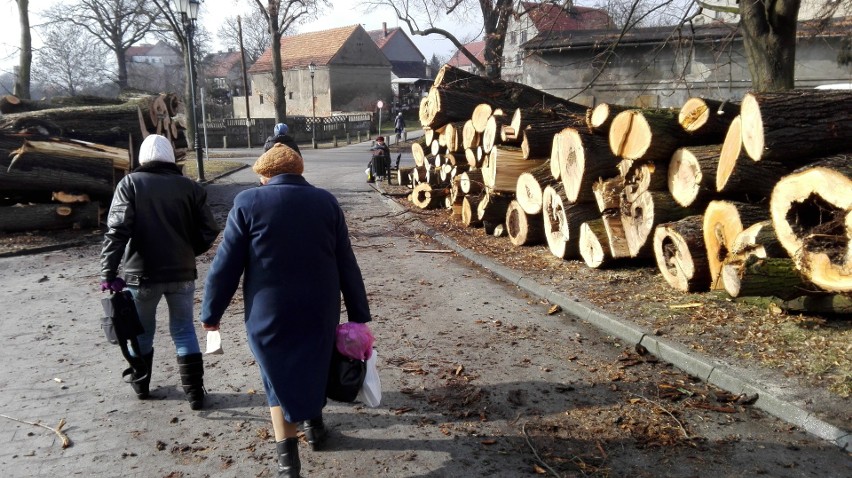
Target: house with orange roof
459,60
541,20
351,74
222,75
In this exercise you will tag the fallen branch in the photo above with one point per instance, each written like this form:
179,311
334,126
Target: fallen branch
664,409
538,458
66,442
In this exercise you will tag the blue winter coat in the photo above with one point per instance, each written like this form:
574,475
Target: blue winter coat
290,241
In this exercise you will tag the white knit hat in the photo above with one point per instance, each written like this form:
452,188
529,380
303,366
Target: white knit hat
156,148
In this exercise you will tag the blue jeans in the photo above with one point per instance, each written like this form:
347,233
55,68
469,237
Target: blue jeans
180,297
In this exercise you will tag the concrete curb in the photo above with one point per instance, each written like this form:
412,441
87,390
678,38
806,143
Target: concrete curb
677,354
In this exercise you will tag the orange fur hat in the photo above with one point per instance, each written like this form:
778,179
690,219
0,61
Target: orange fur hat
279,159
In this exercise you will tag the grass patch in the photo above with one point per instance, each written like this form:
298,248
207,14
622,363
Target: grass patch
212,168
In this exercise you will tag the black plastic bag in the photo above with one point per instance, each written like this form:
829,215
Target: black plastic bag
121,310
345,377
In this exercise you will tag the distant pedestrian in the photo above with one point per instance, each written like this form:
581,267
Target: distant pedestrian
159,221
289,242
279,135
380,163
399,126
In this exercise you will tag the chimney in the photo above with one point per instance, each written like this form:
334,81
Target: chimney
385,28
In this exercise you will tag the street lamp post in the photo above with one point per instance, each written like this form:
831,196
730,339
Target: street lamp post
313,68
189,13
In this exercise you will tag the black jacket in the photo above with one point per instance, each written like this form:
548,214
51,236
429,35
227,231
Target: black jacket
158,222
281,138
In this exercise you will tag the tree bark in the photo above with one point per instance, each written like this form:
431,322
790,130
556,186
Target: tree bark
503,165
769,39
538,137
48,217
524,229
608,193
470,207
771,277
471,182
599,119
796,126
681,255
491,210
811,216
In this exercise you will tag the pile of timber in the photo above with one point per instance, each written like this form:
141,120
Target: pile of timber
60,160
751,197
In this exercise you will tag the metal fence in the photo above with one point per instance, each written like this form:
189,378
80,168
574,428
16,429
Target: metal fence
233,132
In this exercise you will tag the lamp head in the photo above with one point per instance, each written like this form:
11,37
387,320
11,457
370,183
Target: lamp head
312,68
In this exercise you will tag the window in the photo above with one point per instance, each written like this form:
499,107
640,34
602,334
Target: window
518,59
290,96
513,38
523,36
260,97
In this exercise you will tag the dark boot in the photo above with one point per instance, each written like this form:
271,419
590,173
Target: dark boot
316,433
139,375
191,377
289,465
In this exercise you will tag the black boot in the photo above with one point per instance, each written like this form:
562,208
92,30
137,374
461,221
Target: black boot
191,377
316,433
139,375
289,465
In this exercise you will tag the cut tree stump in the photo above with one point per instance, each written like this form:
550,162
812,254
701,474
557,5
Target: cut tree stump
691,172
529,191
594,244
562,221
723,221
584,159
812,216
641,216
649,135
608,193
681,255
599,119
711,118
523,229
469,212
503,165
425,197
795,126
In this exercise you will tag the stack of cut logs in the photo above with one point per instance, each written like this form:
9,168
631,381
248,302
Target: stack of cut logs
752,197
60,160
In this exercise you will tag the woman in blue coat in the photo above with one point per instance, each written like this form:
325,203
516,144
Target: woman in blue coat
289,242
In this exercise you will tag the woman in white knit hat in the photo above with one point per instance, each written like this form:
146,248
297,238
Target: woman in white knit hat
158,222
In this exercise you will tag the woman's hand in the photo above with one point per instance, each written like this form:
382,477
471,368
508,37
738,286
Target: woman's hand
210,328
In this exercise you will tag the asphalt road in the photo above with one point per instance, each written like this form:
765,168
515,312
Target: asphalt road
478,379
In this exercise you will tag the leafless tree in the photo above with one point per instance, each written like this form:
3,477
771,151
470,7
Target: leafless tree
71,61
281,16
117,24
25,57
256,37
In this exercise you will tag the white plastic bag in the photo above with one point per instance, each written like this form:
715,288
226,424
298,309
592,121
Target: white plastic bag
371,391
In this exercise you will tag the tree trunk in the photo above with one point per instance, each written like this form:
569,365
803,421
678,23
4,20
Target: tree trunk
599,119
795,126
33,217
538,137
562,221
608,193
584,160
642,215
491,210
769,39
471,182
594,245
425,197
723,221
691,173
470,208
25,56
811,215
615,234
452,136
681,255
710,118
479,116
502,166
649,135
529,191
771,277
493,129
524,229
470,138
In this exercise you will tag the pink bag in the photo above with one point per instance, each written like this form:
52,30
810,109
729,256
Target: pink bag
354,340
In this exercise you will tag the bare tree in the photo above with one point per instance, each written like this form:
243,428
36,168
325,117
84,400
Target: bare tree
281,16
256,37
71,61
117,24
25,61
